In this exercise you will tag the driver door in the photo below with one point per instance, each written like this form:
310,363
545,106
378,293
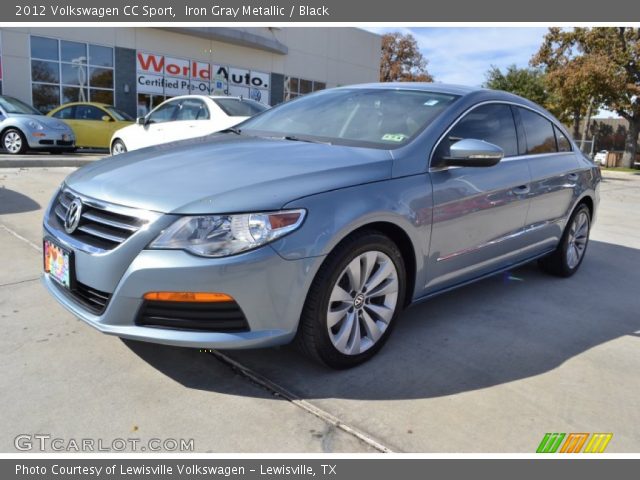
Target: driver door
479,212
158,126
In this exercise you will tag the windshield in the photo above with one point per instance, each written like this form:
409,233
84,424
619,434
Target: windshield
119,114
235,107
372,117
13,105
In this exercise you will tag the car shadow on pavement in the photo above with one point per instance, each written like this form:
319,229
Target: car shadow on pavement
505,328
15,202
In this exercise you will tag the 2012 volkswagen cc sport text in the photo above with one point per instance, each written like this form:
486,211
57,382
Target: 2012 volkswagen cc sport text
320,220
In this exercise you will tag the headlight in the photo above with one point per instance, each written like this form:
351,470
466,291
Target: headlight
223,235
35,125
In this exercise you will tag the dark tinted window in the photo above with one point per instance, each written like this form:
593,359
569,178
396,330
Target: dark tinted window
539,132
492,123
45,71
87,112
65,113
239,108
101,96
564,145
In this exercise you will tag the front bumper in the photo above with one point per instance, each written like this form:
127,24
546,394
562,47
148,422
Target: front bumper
269,290
50,140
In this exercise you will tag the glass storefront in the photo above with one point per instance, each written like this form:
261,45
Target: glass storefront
64,71
295,87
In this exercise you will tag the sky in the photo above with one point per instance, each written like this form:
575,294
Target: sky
463,55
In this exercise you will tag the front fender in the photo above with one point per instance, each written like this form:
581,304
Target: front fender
405,203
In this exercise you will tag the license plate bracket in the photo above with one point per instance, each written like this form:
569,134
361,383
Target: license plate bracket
59,263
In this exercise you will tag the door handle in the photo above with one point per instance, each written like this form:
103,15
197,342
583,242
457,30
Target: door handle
573,177
521,190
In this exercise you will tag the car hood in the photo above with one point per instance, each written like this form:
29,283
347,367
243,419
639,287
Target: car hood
225,173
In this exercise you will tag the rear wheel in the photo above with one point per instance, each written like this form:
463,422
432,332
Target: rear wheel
353,302
118,147
14,141
568,256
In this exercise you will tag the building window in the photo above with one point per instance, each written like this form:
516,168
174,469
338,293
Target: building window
295,87
63,71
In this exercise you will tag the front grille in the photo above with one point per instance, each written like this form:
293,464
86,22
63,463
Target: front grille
209,317
93,300
64,143
98,226
46,142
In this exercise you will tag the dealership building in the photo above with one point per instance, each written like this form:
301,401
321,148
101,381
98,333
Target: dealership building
137,68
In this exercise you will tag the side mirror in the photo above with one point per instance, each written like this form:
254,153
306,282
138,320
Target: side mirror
140,121
106,118
470,152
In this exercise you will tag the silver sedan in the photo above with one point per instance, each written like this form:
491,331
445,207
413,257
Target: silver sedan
320,220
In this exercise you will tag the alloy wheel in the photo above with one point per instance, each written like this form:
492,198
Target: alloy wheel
577,239
362,302
13,142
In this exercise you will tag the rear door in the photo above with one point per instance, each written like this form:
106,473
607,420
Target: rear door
479,212
553,167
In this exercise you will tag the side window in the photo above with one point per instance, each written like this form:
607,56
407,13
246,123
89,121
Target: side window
64,114
192,109
87,112
492,123
564,145
164,113
539,132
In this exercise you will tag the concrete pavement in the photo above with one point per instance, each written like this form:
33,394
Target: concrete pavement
488,368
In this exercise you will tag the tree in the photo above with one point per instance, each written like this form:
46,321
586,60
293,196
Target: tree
526,82
401,60
597,66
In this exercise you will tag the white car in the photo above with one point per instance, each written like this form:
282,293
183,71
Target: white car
601,158
183,117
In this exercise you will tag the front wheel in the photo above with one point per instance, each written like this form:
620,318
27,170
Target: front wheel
14,141
353,302
118,147
568,256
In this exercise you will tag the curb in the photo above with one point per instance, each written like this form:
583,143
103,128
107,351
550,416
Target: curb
71,162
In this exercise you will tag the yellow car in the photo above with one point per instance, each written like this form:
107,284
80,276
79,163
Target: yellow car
93,123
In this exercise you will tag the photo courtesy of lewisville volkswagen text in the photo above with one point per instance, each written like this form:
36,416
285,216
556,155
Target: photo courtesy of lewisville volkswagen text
280,239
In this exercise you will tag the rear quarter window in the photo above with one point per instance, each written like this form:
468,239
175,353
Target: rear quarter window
539,133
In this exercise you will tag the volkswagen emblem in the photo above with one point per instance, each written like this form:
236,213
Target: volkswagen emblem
72,219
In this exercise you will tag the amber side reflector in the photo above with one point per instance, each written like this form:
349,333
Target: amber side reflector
187,297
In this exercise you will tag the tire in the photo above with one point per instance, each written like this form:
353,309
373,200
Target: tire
118,147
14,142
568,256
360,322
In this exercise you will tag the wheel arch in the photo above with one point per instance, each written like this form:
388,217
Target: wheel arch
404,243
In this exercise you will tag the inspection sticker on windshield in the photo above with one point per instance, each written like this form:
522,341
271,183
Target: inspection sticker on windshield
394,137
431,103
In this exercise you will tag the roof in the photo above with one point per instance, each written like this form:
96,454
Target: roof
426,86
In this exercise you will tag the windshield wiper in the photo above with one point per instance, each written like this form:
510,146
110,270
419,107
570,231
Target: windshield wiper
235,130
293,138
